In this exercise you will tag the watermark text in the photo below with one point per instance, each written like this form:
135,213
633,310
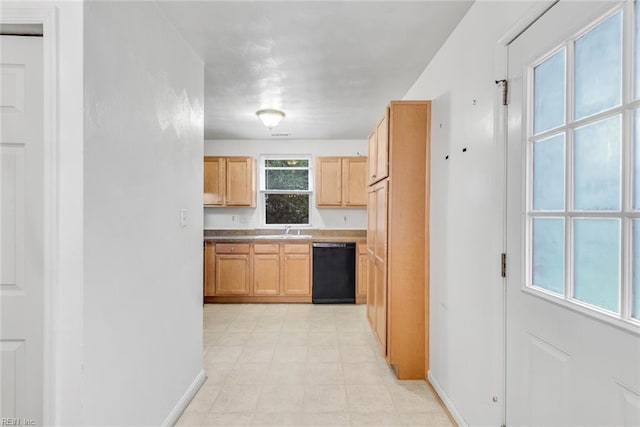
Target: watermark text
17,422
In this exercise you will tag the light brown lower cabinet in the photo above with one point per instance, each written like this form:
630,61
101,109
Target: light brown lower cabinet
266,269
233,269
297,270
232,274
209,269
371,290
266,274
361,274
381,303
257,272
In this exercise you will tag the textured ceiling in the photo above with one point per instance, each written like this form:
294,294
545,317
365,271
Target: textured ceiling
330,66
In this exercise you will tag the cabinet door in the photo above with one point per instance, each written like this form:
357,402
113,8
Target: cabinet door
266,274
329,181
381,304
209,269
297,274
240,182
232,274
371,219
354,181
382,148
361,279
371,289
381,221
214,181
373,158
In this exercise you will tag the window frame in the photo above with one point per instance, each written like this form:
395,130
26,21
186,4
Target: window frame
262,190
626,215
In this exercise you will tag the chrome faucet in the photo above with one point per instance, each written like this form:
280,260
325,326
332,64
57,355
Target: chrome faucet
287,228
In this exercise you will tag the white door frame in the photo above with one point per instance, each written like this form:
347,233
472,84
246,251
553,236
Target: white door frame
501,136
48,18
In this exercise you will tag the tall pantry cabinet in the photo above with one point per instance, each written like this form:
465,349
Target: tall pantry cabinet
397,235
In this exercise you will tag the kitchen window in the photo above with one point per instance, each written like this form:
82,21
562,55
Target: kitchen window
285,187
583,167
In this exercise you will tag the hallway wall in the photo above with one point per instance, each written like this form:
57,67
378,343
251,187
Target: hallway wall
466,232
142,164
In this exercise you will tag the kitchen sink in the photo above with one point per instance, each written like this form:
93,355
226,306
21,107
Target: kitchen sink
282,236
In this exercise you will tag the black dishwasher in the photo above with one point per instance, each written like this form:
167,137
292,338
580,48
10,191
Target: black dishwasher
334,273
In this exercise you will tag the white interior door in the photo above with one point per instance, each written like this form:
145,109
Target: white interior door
21,228
573,336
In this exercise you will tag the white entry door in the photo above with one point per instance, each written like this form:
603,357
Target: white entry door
573,223
21,229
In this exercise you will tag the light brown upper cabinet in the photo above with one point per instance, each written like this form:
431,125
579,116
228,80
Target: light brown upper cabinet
229,181
214,181
341,182
379,150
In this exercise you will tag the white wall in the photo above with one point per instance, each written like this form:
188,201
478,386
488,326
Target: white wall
466,305
142,165
249,218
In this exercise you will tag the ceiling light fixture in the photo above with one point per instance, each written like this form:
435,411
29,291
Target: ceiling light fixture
270,117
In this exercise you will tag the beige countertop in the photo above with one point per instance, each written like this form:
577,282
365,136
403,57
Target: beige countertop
267,235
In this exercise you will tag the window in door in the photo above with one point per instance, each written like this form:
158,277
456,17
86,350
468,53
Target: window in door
285,184
583,170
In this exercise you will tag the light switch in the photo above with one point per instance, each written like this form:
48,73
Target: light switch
183,218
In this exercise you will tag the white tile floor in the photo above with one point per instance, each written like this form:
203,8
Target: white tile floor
301,365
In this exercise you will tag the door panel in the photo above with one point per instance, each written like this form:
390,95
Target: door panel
266,271
381,221
329,181
354,171
232,274
214,181
21,227
371,289
371,220
563,367
297,274
372,163
381,304
361,287
382,148
239,191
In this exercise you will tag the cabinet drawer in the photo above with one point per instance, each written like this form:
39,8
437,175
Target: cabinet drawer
232,248
266,248
296,248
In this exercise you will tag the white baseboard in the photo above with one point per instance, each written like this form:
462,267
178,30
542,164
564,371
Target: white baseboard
459,419
184,401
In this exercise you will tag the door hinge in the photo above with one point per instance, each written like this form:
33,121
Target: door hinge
505,90
503,265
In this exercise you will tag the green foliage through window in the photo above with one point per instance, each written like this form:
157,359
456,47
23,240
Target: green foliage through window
287,208
278,179
286,184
